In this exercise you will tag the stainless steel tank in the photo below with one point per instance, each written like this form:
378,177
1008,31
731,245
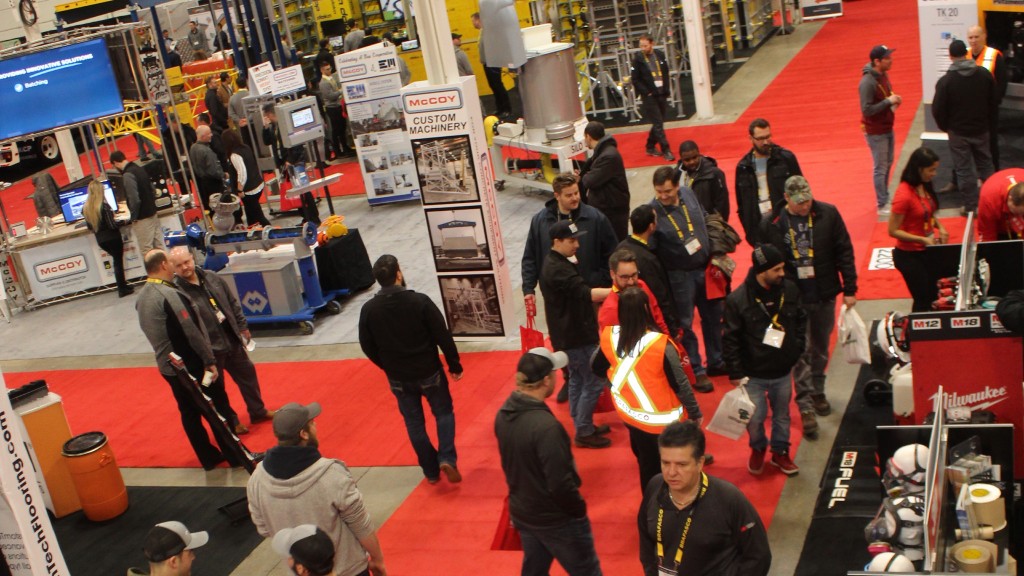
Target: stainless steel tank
550,93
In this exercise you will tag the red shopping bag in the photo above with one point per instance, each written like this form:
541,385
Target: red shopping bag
506,537
716,283
530,336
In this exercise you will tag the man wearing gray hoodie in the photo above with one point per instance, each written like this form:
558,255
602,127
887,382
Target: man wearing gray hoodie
878,105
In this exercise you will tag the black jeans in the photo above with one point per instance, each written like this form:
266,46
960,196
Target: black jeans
115,247
339,125
501,99
192,417
914,268
237,364
653,109
645,447
253,210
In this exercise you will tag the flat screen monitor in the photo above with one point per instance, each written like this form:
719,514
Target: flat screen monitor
57,87
73,201
302,117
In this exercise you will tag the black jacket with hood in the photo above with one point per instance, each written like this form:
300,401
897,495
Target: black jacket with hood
596,246
781,165
965,99
543,485
709,186
746,322
604,186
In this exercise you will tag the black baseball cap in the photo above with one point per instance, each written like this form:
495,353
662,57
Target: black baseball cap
539,362
565,229
880,51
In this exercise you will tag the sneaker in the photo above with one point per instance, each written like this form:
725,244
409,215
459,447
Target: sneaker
782,461
884,211
669,157
602,429
592,441
810,425
755,464
653,152
719,370
703,384
821,405
563,394
433,480
451,472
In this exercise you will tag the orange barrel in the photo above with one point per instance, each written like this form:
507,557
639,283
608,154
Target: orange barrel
96,476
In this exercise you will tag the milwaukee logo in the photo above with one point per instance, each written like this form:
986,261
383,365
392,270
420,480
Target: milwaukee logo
997,324
66,266
353,71
926,324
841,487
968,322
980,400
449,99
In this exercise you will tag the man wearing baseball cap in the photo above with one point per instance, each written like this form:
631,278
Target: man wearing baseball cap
308,549
544,497
169,548
878,105
295,485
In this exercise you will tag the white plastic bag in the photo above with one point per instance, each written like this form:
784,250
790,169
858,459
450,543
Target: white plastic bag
733,414
853,337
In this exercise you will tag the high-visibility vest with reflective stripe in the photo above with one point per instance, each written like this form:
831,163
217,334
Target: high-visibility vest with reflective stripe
987,59
641,391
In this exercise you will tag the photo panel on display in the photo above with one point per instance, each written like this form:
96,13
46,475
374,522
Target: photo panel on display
446,173
458,239
471,305
379,115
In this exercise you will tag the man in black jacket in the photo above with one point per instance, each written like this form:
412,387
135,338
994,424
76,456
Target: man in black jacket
218,111
819,254
650,77
544,487
761,177
572,325
702,175
764,338
644,220
141,203
400,331
603,182
964,103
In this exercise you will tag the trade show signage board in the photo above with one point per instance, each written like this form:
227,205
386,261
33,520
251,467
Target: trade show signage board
266,80
453,166
30,545
372,90
36,88
941,22
822,9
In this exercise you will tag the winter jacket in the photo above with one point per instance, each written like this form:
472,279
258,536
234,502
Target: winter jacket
596,246
746,322
1011,311
721,235
781,165
643,79
139,192
400,331
45,195
604,186
543,485
667,244
653,273
708,185
568,307
294,486
965,99
876,115
170,322
833,250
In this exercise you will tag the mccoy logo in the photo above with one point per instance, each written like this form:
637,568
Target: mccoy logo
967,322
447,99
67,266
353,71
841,487
926,324
978,400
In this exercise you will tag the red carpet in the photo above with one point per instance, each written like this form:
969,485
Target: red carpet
18,202
887,282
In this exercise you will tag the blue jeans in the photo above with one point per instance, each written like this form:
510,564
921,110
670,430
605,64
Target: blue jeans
881,146
777,392
409,395
688,292
572,544
584,389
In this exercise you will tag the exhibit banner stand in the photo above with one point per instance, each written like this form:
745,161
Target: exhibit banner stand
373,98
821,9
453,166
940,22
29,543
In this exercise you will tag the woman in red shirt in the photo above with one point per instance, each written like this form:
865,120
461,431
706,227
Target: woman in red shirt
914,226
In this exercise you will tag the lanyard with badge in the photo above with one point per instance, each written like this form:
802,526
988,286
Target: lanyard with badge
161,281
804,265
213,302
693,244
665,570
655,68
775,334
928,211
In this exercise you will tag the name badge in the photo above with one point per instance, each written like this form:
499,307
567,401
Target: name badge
805,272
765,206
221,317
663,571
657,84
773,337
692,246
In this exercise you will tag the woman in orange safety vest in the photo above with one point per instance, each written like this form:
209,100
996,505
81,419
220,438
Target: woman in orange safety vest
649,387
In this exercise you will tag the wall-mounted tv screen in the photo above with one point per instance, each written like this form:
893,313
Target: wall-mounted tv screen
57,87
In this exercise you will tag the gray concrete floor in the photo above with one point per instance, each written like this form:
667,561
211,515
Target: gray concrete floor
101,331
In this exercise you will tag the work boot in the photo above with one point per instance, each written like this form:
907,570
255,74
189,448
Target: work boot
810,425
669,157
704,384
653,152
563,394
782,461
593,441
821,405
602,429
755,465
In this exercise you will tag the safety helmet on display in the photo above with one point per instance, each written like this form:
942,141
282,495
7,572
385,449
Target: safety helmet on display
905,471
891,334
890,562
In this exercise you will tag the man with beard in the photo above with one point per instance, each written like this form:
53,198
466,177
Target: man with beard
761,178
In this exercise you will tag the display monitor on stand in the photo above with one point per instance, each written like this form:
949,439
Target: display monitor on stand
72,200
299,121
